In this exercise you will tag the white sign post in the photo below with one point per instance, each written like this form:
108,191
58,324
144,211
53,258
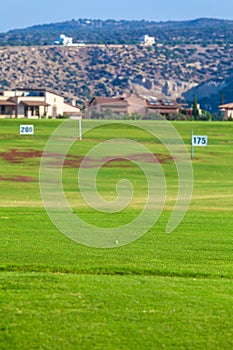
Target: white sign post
26,129
198,141
80,128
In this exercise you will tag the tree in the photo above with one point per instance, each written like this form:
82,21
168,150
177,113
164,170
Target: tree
222,99
195,109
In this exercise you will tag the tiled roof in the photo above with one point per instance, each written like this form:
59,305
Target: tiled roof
38,89
6,103
227,106
35,103
108,100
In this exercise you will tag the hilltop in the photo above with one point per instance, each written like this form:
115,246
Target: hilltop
93,31
188,57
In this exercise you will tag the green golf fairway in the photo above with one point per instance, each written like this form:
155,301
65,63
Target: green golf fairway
171,291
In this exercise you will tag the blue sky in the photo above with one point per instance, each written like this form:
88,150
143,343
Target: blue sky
24,13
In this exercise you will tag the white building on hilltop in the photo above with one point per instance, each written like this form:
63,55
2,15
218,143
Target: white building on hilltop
147,40
63,40
66,41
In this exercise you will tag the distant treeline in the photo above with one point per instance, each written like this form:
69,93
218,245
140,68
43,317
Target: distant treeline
200,31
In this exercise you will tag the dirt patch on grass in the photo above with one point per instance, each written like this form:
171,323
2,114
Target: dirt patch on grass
17,179
16,156
135,158
117,162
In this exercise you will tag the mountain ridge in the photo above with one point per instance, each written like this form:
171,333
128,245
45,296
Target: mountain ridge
96,31
197,60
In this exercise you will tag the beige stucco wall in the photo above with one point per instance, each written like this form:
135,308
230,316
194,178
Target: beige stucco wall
136,105
9,93
70,109
228,113
21,107
55,101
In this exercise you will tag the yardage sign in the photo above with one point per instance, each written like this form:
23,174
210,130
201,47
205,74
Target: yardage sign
26,129
198,140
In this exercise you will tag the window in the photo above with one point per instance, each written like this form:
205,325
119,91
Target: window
2,109
36,93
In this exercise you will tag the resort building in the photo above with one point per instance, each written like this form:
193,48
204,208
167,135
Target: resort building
34,104
64,40
130,104
147,40
227,110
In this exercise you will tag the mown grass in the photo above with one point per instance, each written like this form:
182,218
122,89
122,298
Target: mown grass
162,291
56,311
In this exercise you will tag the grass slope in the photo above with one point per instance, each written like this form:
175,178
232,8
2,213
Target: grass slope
162,291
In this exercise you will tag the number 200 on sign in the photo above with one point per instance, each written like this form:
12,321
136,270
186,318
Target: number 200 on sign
26,129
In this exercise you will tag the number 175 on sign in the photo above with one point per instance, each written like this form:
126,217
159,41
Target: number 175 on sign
198,140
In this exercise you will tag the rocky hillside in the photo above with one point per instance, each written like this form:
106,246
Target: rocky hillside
81,72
